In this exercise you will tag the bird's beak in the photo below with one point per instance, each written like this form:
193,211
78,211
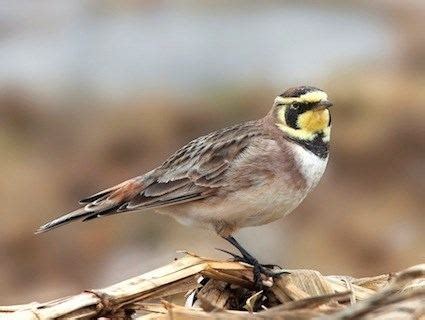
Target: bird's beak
324,104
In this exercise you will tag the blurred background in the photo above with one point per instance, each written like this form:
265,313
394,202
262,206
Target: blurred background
95,92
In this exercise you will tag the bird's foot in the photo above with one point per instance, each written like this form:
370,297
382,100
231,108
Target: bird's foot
268,270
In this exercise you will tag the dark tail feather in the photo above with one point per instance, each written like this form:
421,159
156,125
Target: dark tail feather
78,214
100,204
100,195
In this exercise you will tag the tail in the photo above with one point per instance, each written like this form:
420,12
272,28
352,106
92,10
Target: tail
100,204
72,216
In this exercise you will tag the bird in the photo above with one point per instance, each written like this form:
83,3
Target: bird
244,175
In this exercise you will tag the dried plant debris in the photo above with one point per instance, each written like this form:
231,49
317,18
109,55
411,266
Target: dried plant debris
224,290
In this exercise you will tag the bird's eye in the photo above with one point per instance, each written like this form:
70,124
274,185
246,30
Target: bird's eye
291,116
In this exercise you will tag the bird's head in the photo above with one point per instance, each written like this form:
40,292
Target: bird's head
303,113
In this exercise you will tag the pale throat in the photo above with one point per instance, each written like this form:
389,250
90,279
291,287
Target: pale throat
311,124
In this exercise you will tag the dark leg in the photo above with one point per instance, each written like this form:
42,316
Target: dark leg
248,258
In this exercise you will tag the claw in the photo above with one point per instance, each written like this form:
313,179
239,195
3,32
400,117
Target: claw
258,269
235,256
272,266
271,273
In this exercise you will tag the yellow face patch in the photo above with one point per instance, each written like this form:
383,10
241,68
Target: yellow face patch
309,123
314,120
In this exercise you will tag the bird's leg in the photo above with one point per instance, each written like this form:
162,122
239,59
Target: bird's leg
248,258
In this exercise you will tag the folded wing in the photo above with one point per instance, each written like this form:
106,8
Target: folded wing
194,172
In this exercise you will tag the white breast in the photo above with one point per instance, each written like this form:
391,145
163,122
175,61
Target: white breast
311,166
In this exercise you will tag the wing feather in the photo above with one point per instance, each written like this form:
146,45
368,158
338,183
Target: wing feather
194,172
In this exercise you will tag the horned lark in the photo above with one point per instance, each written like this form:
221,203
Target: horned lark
245,175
